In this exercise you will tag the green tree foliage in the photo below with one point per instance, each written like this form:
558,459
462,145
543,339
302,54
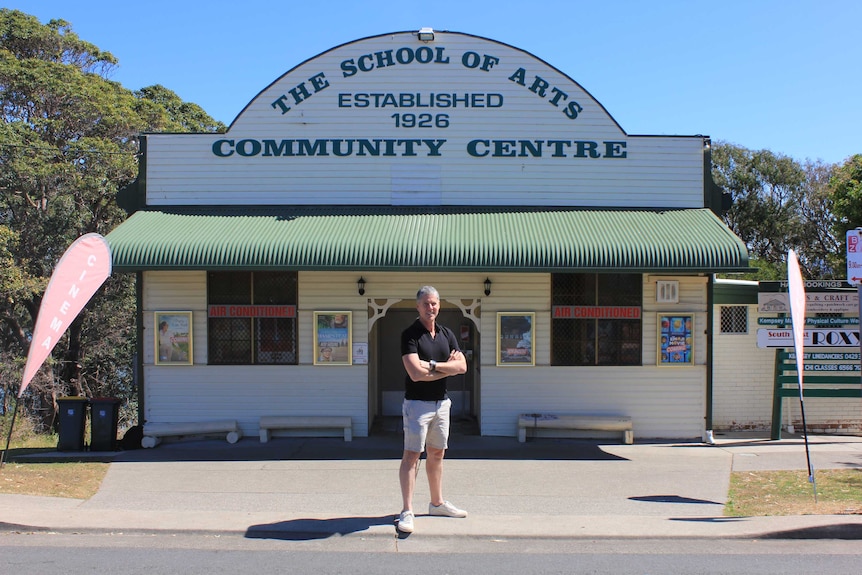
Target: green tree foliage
778,205
846,188
68,143
181,116
820,249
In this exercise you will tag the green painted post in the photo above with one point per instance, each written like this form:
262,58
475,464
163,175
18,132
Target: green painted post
776,395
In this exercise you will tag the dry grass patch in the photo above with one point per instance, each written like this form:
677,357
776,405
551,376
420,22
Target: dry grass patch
839,492
73,480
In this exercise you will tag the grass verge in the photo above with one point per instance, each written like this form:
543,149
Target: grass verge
839,492
73,480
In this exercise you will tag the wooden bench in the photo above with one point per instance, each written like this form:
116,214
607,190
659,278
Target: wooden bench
577,422
268,423
155,431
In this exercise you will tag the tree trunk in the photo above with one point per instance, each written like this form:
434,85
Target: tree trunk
70,371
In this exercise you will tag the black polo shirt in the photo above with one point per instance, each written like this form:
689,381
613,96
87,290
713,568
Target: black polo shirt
417,339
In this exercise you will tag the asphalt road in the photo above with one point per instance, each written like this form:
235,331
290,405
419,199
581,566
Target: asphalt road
151,554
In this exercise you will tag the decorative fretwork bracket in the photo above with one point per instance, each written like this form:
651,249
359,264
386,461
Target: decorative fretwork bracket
468,308
379,310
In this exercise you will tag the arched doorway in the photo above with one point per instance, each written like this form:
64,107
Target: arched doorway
387,371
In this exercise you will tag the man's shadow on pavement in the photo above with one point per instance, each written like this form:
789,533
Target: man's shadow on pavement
311,529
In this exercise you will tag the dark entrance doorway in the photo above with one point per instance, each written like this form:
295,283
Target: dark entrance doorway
391,374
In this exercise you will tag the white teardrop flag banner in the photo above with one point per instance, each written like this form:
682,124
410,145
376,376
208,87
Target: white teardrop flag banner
797,315
797,312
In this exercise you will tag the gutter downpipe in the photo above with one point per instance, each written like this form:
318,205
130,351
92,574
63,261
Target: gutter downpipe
713,197
710,326
139,352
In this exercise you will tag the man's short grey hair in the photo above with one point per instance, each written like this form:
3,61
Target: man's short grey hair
427,290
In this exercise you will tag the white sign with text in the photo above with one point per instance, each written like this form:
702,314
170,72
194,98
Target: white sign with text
768,338
815,302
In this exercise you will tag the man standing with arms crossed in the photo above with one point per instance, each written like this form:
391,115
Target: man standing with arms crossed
430,354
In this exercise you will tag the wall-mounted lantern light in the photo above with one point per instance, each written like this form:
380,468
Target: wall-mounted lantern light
360,284
487,286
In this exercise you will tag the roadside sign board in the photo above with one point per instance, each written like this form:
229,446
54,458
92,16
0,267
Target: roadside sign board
767,338
839,302
854,256
811,321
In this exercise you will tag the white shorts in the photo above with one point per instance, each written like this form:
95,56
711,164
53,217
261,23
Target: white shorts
426,422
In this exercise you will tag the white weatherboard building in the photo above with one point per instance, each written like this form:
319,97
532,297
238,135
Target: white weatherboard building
747,316
574,260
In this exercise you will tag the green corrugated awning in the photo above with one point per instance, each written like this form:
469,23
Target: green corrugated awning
401,239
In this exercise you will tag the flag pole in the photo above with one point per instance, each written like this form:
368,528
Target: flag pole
797,317
9,436
811,479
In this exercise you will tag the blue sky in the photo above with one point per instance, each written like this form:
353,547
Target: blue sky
776,74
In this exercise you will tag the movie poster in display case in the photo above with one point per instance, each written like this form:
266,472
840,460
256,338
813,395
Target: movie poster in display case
333,344
675,339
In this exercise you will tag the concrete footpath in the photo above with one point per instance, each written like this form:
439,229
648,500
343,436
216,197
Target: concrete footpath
312,488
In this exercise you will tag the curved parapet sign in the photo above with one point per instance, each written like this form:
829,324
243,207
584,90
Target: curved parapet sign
442,118
400,72
81,271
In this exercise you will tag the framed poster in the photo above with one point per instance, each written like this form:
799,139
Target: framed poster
333,344
173,340
515,338
675,339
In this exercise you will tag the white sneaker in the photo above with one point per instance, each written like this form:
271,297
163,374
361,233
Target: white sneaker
405,522
446,509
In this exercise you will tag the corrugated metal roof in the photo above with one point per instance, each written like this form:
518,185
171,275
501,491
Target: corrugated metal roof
495,239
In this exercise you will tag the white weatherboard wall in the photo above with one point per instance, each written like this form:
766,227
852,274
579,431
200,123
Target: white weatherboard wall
824,414
210,392
743,382
515,131
663,402
743,377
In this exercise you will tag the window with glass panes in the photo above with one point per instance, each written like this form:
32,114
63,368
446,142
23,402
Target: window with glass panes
252,340
596,319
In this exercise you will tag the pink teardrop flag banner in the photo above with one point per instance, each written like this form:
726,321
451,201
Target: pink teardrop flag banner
80,272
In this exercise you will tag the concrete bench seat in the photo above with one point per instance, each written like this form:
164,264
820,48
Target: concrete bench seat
268,423
578,422
155,431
